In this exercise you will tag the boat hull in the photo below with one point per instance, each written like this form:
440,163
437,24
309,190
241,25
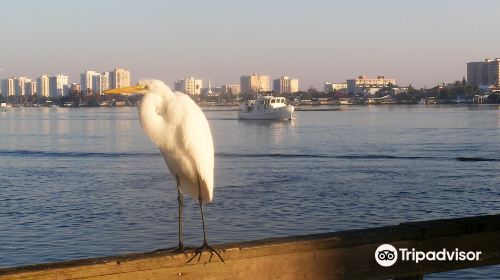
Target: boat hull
285,112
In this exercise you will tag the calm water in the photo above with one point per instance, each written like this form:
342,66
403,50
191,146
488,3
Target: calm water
78,183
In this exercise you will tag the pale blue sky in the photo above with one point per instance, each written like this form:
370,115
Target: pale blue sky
420,42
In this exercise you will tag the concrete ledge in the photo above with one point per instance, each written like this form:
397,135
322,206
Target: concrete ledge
338,255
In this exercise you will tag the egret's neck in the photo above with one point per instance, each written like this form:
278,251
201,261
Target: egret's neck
151,116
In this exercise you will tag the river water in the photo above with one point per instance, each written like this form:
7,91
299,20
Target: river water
79,183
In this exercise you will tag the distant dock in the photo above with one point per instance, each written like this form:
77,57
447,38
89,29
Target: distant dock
337,255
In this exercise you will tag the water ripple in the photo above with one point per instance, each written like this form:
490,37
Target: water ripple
31,153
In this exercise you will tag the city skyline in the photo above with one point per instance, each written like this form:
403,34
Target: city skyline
58,85
484,75
422,43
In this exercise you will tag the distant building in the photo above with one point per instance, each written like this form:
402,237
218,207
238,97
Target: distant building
208,90
211,91
255,83
119,78
189,86
43,88
100,82
332,87
30,87
58,85
19,85
75,87
485,73
216,91
86,80
286,85
231,89
368,85
8,88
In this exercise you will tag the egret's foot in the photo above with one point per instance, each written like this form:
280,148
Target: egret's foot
180,248
198,251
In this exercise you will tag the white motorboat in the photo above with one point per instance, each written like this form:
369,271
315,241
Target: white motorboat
266,108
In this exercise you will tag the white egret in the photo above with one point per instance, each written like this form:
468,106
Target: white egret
179,128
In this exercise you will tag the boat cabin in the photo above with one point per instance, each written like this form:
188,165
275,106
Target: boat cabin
265,102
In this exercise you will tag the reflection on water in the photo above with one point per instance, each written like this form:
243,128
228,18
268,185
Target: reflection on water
277,131
87,182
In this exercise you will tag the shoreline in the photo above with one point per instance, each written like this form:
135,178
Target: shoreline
303,107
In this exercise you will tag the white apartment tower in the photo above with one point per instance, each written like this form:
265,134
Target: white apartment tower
86,80
58,85
119,78
100,82
42,84
286,85
255,83
189,86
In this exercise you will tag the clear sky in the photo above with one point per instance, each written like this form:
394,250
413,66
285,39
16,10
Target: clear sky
419,42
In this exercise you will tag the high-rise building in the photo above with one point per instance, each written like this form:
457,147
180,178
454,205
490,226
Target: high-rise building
43,88
255,83
285,85
58,85
231,89
19,85
119,78
189,86
30,87
363,84
485,73
100,82
86,80
8,88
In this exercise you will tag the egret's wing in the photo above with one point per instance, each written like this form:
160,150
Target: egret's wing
197,140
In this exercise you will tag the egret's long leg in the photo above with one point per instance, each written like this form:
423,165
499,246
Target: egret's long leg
205,245
180,200
203,223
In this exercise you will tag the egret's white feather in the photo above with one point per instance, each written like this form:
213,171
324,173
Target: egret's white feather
181,131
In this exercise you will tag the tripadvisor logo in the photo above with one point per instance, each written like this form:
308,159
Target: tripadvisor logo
387,255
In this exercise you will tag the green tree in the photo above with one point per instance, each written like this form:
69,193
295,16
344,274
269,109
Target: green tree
312,90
